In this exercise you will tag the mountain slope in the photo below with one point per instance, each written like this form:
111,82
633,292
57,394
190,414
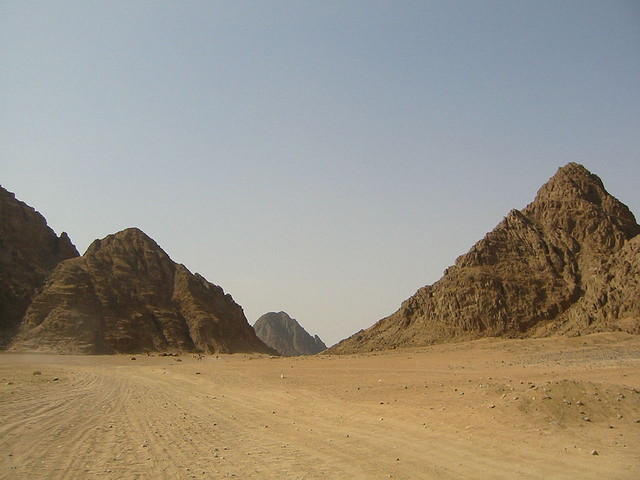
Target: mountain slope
538,272
126,295
29,251
284,334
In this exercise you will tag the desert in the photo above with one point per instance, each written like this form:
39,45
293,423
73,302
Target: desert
319,240
554,407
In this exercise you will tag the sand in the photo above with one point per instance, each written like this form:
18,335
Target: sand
485,409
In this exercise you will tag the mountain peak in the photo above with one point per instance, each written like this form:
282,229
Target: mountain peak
125,295
538,272
284,334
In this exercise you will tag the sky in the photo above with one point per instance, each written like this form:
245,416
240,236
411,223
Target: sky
326,159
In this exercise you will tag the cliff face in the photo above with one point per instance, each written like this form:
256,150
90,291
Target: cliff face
564,264
284,334
29,251
126,295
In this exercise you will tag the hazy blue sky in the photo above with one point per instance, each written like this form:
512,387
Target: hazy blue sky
322,158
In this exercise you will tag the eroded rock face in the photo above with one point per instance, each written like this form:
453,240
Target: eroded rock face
125,295
567,263
29,251
286,335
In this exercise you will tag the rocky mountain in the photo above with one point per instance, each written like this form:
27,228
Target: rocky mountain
566,264
284,334
126,295
29,251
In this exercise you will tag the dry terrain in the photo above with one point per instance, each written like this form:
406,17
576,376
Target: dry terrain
485,409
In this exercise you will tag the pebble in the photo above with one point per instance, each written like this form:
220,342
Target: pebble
586,419
594,452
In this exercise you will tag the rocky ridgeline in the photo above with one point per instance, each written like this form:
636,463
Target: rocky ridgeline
29,251
566,264
286,335
126,295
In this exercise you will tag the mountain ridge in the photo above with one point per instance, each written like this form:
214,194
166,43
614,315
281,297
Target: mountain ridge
29,251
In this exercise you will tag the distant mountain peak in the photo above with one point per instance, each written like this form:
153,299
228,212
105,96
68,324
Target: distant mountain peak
286,335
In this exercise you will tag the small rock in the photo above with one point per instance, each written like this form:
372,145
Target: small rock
133,358
594,452
579,403
586,419
198,373
492,406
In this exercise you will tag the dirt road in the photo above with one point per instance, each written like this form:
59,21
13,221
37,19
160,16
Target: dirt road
487,409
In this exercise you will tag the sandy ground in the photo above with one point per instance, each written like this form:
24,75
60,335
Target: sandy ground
487,409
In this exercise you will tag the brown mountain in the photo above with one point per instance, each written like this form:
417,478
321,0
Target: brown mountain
126,295
286,335
568,263
29,251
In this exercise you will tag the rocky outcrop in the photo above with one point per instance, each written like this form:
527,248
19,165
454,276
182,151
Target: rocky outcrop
284,334
29,251
567,263
125,295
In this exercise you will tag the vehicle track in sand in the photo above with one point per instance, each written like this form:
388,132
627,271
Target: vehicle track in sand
420,414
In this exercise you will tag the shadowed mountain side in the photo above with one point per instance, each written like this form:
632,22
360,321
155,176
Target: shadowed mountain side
284,334
567,263
29,251
126,295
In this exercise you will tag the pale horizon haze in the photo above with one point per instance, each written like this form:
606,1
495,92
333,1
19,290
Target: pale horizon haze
327,158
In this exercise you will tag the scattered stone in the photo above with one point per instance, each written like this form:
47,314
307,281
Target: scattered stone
492,406
586,419
133,358
55,379
594,452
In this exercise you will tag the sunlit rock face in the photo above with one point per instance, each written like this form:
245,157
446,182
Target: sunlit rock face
568,263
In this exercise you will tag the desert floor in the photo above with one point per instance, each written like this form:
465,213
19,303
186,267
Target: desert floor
485,409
